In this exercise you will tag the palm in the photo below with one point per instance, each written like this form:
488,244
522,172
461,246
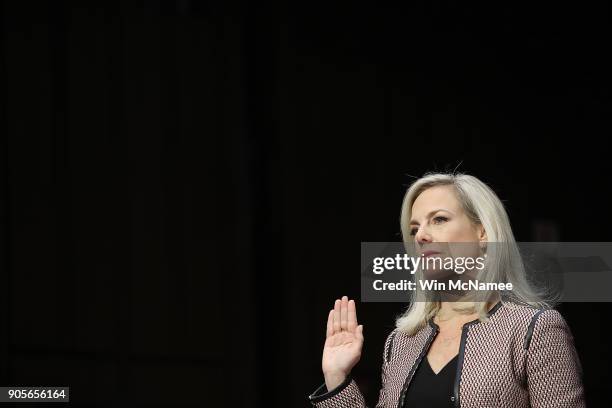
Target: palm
344,340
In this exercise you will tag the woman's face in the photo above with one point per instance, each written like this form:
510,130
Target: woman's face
437,216
438,221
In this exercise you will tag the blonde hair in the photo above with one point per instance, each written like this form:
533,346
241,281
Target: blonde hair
483,207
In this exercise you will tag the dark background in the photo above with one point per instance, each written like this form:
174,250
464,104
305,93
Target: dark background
185,184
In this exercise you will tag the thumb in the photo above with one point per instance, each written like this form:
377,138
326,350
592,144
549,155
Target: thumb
359,332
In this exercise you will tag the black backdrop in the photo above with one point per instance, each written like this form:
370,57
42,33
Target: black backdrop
185,184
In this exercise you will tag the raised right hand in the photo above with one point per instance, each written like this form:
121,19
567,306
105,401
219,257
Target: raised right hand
343,343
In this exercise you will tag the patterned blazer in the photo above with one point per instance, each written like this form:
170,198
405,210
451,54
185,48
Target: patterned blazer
521,357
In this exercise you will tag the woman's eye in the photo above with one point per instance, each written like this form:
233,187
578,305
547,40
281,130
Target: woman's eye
413,231
440,219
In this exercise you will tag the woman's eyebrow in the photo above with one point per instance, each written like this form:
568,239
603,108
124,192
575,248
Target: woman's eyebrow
412,222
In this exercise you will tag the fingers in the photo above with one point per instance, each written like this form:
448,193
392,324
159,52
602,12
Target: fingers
337,307
344,313
352,316
343,317
330,324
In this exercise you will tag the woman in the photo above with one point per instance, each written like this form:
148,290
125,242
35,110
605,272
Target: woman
508,351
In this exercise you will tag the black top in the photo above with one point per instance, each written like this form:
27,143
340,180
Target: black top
431,390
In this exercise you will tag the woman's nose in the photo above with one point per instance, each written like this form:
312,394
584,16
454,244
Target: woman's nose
423,237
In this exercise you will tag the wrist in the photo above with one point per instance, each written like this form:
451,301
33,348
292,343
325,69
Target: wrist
334,379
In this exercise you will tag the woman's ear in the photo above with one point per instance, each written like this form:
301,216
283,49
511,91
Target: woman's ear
482,238
482,234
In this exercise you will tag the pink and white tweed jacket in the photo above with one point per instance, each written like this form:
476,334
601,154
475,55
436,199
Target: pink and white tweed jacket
521,357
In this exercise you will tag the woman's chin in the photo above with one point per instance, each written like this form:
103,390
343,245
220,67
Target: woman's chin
442,275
